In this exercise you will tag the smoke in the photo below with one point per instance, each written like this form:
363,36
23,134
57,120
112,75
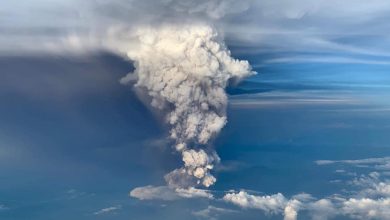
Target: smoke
184,70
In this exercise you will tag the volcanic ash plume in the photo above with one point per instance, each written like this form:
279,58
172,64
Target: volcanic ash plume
185,70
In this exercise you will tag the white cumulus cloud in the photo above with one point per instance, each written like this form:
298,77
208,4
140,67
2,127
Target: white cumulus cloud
271,204
366,208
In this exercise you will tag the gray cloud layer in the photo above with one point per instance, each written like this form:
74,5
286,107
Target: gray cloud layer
347,27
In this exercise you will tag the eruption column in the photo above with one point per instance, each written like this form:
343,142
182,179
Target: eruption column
185,70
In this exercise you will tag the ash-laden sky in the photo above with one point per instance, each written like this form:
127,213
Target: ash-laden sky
184,109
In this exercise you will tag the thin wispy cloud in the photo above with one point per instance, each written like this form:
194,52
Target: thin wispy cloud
305,98
380,163
168,194
3,207
107,210
212,212
324,59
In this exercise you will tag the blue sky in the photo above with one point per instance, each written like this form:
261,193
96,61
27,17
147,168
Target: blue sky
313,124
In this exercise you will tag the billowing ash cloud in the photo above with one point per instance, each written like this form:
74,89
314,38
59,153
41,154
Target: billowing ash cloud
184,70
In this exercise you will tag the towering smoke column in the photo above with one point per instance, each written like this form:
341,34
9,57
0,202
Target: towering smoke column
185,70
